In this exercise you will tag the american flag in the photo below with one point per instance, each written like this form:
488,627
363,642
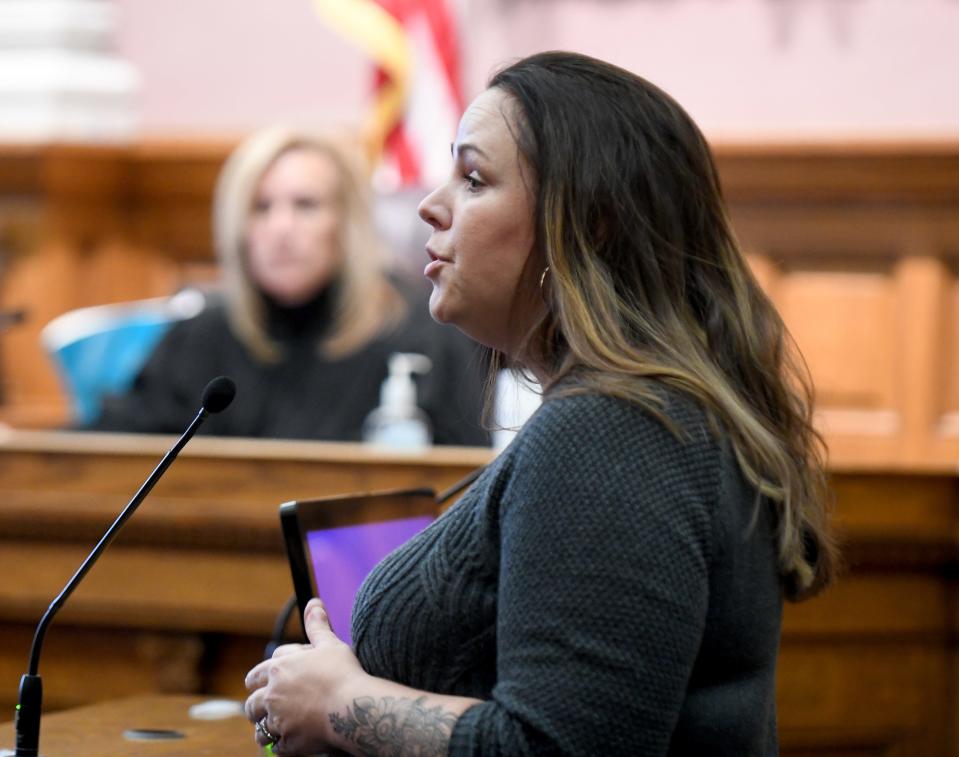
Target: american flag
417,94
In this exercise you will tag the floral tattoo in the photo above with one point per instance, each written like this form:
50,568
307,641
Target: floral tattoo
395,727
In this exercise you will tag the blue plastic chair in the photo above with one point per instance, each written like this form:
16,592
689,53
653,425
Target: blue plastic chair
100,350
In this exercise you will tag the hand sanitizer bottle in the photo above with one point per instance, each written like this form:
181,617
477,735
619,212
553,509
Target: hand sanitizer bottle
398,422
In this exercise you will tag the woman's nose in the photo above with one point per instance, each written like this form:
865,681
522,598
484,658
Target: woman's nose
281,217
433,211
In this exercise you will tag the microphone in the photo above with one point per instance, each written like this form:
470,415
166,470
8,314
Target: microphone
217,396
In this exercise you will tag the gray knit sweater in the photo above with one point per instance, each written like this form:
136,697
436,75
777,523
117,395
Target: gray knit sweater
602,586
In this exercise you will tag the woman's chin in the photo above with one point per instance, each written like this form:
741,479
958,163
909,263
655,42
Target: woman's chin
291,299
438,307
291,295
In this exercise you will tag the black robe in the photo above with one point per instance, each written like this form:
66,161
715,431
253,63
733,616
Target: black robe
304,395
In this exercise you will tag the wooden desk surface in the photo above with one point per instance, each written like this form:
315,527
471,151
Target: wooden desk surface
99,730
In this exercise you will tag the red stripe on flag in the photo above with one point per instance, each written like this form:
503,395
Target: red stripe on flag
443,32
444,37
440,24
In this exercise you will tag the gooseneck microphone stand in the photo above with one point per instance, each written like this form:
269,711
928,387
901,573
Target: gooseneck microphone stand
216,396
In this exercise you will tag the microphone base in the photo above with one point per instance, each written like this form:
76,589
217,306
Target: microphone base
27,722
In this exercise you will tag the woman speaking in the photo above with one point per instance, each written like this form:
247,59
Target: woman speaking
613,583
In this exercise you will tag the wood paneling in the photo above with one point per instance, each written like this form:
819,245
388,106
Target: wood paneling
868,668
947,426
91,225
853,365
856,244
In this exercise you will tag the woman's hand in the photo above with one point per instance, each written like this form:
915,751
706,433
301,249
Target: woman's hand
313,698
294,692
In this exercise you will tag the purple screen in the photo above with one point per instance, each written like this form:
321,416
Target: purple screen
342,557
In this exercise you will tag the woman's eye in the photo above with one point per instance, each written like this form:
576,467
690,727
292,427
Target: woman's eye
307,203
473,182
261,206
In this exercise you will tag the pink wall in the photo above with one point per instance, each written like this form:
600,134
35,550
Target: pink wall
231,65
745,69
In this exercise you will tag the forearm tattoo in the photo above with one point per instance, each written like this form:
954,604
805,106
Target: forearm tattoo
395,727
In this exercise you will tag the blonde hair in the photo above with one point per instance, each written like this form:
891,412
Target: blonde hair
647,287
366,304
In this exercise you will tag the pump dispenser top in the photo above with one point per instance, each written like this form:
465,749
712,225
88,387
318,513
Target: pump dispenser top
398,422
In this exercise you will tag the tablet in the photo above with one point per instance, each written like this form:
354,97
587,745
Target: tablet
333,543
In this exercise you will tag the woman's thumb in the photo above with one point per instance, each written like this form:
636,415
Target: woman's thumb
315,620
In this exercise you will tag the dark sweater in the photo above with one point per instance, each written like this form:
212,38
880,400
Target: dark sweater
305,395
600,586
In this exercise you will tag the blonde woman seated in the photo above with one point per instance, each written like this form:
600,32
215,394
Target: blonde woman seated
307,318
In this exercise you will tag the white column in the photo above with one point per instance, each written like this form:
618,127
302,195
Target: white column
60,79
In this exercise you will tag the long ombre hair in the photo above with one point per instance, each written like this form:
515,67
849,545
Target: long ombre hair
646,285
366,304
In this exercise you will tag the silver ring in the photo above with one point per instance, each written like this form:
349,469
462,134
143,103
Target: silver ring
260,726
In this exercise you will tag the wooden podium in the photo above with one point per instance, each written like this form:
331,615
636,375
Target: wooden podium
100,730
184,601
